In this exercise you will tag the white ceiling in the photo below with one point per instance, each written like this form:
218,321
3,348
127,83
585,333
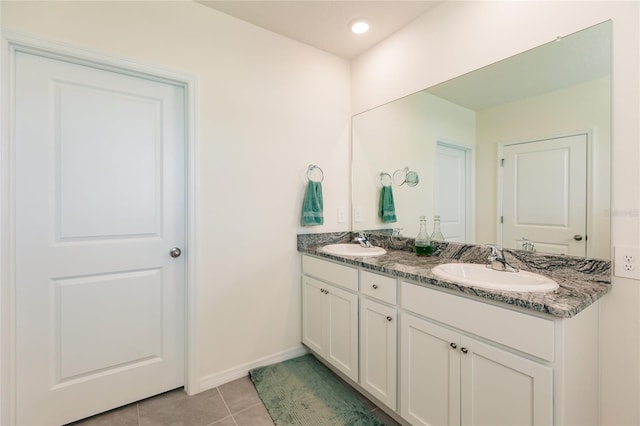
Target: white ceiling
324,23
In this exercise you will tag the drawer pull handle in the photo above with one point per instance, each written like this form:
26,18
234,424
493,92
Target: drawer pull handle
389,319
453,345
464,350
375,286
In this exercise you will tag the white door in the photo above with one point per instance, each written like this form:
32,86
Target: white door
545,195
342,330
313,314
451,192
429,373
99,166
501,388
378,349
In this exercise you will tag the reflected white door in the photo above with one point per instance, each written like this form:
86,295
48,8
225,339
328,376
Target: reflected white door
99,205
545,194
451,192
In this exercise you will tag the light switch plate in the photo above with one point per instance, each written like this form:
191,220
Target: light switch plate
357,214
626,262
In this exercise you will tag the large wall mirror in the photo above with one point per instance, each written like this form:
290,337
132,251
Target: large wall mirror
515,151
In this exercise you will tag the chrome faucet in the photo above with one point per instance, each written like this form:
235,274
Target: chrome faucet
528,245
363,240
497,260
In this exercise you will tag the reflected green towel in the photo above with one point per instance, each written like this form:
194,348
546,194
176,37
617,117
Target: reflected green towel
387,209
312,205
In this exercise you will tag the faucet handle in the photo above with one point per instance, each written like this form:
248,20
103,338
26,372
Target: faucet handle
495,249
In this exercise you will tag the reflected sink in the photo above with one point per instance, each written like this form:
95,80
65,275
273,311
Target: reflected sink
476,275
354,250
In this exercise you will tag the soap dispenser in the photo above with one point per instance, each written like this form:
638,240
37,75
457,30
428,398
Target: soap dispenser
423,242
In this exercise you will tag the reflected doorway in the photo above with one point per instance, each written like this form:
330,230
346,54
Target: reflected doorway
453,198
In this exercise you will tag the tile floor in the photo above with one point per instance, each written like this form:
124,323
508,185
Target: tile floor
232,404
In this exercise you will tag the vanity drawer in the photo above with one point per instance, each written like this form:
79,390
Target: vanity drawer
334,273
378,287
526,333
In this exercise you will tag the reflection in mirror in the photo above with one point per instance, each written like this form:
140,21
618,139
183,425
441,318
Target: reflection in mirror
514,152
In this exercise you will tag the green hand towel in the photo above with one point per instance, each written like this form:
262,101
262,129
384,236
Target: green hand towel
312,206
387,209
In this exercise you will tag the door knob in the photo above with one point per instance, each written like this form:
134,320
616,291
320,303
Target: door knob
577,237
175,252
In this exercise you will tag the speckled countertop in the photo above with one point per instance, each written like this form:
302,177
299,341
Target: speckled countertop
582,281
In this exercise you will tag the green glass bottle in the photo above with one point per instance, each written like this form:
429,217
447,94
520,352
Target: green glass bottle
423,242
437,233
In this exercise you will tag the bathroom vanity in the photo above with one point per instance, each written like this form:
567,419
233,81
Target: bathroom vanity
433,352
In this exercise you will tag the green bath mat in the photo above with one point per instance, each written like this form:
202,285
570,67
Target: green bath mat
302,391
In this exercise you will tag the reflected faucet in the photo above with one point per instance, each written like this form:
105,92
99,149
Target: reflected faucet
363,240
497,260
528,245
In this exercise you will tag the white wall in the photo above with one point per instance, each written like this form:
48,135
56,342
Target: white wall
402,134
268,106
460,36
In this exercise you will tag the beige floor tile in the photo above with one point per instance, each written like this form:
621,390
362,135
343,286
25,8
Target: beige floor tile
176,408
123,416
254,416
239,394
227,421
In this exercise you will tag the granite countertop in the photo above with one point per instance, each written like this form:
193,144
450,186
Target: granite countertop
582,281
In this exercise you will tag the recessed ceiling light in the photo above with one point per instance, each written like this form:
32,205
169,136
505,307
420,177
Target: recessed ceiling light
359,26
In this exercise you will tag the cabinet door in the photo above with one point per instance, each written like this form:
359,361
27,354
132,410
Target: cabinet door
313,314
342,330
501,388
430,373
378,347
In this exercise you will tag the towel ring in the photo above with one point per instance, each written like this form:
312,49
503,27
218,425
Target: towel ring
385,179
312,173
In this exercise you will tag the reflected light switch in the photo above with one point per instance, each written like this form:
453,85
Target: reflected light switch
357,216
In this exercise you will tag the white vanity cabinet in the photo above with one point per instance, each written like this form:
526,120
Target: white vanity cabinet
451,379
471,363
435,357
330,313
378,336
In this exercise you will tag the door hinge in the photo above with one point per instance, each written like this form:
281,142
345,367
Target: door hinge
502,162
501,219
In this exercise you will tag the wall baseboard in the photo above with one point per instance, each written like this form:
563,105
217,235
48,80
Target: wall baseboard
214,380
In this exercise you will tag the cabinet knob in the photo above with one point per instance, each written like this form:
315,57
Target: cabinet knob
464,350
389,319
375,286
453,345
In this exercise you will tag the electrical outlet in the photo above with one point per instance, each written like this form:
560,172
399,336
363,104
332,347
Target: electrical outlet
627,262
341,215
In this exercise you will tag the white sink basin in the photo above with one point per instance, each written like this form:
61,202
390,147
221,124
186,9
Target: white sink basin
354,250
475,275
